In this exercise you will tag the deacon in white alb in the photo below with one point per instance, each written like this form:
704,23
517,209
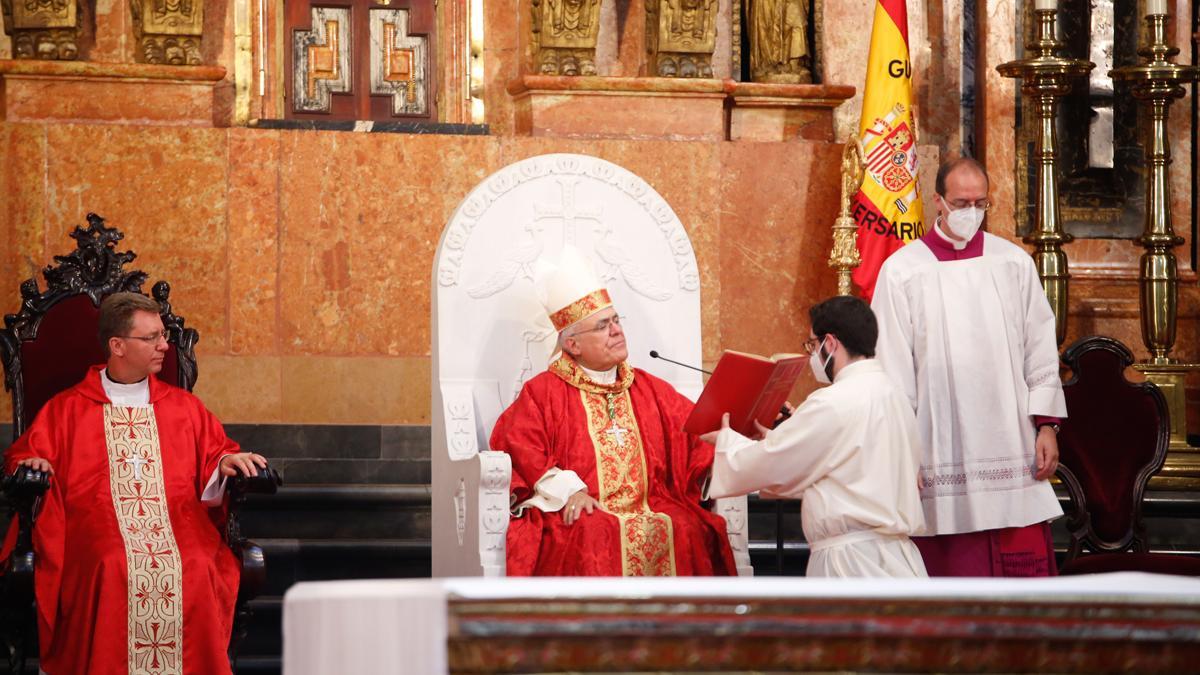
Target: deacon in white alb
850,452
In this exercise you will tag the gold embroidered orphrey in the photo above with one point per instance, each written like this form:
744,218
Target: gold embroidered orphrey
155,571
647,538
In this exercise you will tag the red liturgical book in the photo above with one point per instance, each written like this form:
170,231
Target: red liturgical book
748,387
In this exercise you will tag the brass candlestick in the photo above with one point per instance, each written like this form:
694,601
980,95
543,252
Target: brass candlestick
1046,78
1157,82
844,256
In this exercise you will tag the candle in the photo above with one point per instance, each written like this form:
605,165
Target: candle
1040,5
1156,7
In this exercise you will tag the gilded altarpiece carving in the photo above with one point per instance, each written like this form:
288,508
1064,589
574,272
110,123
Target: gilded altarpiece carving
359,60
780,41
681,36
564,36
168,31
43,29
1100,164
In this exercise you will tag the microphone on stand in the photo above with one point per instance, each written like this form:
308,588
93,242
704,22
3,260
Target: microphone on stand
654,355
784,413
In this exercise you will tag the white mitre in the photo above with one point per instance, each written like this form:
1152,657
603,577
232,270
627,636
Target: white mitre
569,289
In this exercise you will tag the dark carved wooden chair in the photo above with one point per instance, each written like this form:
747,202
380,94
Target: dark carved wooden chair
47,347
1114,439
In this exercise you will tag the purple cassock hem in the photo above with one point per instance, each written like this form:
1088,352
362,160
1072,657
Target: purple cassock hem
1008,552
944,251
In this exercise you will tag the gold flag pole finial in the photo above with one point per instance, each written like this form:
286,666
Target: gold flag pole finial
844,256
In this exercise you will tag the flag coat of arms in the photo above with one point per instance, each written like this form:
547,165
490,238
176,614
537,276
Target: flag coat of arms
887,206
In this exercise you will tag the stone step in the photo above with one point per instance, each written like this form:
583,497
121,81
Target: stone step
339,511
293,560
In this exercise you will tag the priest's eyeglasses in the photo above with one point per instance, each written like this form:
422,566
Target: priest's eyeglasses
603,325
981,204
811,344
148,339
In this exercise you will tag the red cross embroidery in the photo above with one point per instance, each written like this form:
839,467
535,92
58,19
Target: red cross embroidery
158,645
124,419
140,499
153,554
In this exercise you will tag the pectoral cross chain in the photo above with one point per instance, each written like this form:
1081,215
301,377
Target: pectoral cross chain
614,432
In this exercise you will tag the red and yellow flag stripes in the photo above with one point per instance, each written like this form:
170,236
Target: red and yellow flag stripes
887,207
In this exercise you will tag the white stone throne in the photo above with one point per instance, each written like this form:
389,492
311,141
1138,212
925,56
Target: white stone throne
490,333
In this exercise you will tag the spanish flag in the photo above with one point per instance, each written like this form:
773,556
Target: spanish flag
887,207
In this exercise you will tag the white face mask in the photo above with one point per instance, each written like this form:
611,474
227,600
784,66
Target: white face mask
965,222
818,366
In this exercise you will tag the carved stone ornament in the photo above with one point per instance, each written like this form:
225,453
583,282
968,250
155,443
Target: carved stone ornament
681,36
779,49
43,29
399,62
564,36
96,269
321,60
168,31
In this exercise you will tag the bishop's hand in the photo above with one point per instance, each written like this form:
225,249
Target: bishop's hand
578,503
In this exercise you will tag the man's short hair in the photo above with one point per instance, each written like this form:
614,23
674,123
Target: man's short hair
116,315
850,320
950,166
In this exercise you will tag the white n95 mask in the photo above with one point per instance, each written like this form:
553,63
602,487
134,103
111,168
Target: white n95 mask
965,222
820,368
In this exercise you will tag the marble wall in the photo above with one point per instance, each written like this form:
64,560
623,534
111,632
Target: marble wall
303,258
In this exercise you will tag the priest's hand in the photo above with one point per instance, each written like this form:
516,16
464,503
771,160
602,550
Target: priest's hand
1046,451
37,464
246,463
578,503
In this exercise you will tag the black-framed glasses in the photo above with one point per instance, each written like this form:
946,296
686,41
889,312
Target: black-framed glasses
148,339
605,324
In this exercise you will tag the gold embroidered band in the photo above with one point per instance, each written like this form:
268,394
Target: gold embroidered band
581,309
155,571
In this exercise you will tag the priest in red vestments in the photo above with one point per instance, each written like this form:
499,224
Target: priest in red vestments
605,482
131,573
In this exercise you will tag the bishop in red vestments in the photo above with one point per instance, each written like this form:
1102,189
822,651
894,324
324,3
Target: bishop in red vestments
605,482
132,574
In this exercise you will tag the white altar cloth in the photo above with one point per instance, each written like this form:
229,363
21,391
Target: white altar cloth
400,626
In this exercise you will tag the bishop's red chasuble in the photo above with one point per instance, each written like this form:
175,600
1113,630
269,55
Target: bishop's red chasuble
625,441
132,574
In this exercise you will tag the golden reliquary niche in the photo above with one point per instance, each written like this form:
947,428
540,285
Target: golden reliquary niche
43,29
681,38
168,31
360,60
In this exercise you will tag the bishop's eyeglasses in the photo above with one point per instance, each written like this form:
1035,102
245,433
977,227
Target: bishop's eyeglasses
603,325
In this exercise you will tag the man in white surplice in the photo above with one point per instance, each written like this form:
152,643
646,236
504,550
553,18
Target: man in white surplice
966,331
850,452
